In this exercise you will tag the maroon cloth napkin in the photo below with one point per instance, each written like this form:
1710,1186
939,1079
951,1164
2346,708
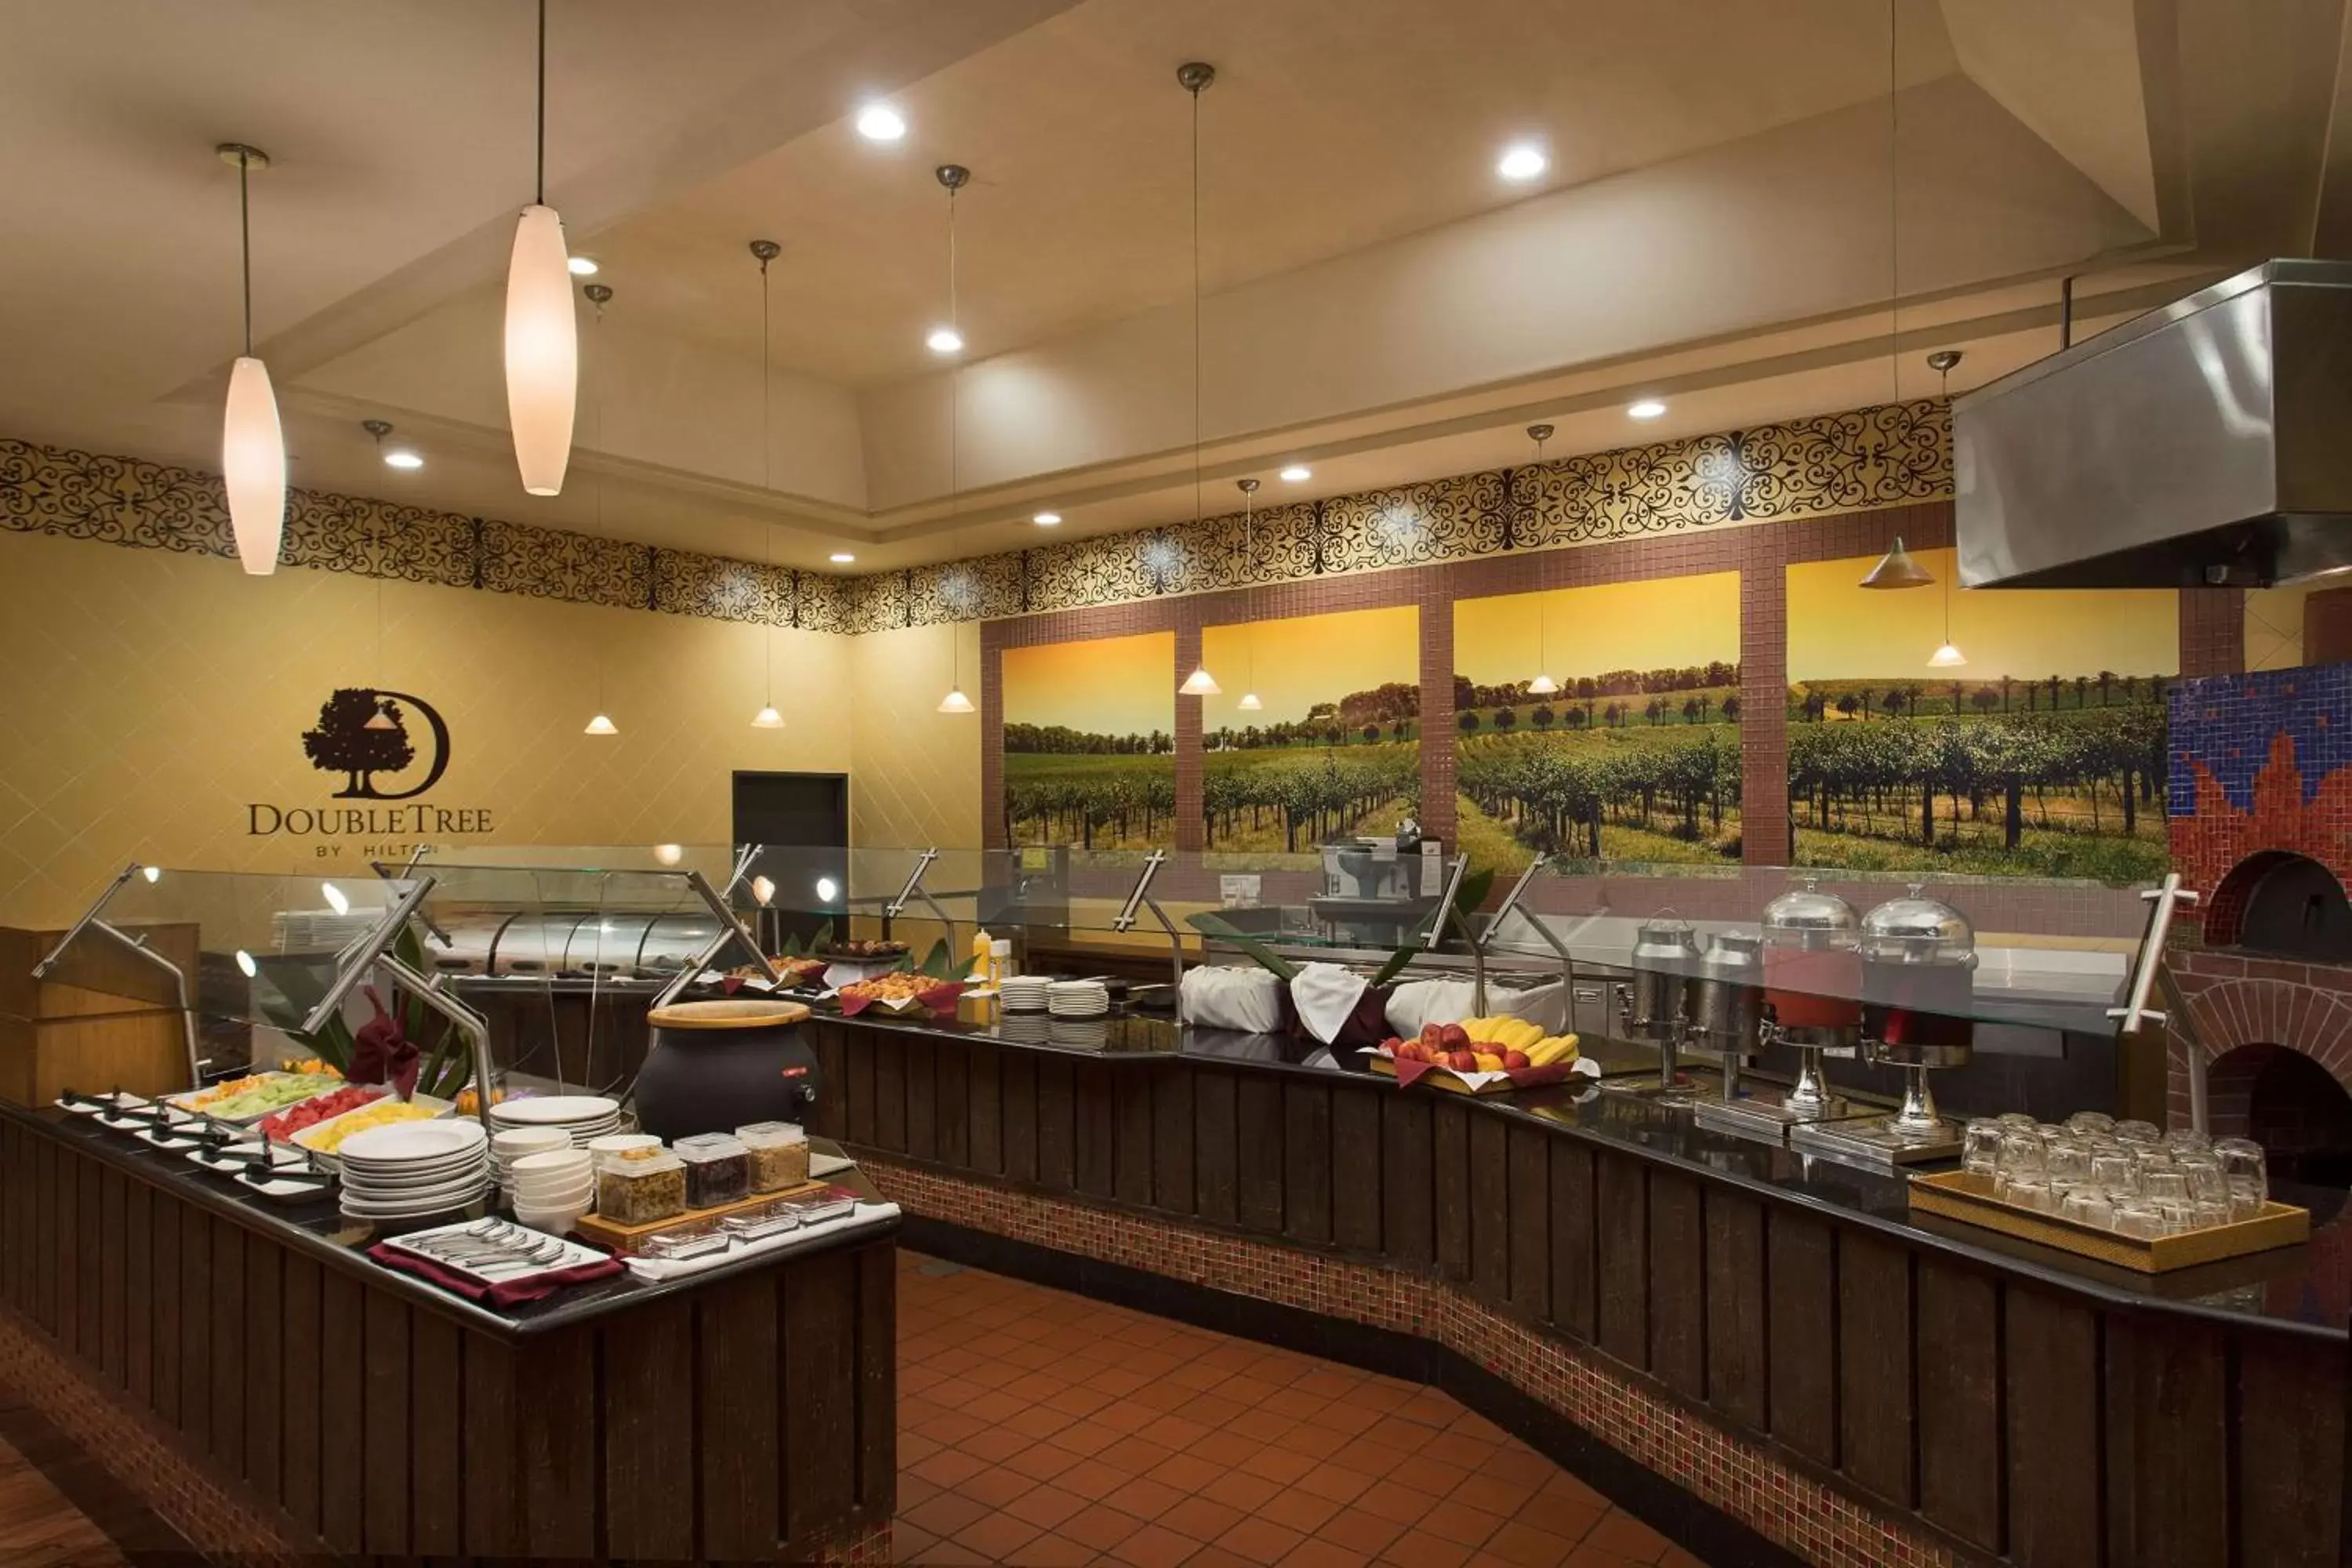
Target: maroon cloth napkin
382,1053
513,1293
939,998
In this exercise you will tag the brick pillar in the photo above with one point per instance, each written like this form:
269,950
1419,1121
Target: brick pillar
2327,626
1438,735
2212,631
1191,831
992,735
1765,837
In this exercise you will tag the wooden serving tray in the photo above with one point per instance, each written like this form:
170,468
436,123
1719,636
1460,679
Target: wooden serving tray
1967,1196
629,1240
1439,1079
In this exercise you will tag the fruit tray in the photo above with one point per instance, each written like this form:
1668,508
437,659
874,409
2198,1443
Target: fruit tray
1967,1196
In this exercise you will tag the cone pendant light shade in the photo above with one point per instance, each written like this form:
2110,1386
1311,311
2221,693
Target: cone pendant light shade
1896,569
1946,658
955,701
1250,704
600,725
1542,686
1199,683
542,351
767,719
253,467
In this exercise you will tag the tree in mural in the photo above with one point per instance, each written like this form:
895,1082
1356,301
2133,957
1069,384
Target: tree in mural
359,734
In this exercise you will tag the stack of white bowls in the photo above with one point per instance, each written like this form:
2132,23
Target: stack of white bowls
555,1188
513,1145
581,1116
1078,999
1024,993
408,1170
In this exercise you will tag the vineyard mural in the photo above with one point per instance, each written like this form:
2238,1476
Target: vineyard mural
2044,755
1090,742
1636,757
1334,747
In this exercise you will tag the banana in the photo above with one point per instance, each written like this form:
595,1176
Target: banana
1519,1034
1489,1062
1556,1048
1480,1030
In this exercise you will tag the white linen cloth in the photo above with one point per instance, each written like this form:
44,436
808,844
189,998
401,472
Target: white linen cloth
1225,996
1325,996
1420,1002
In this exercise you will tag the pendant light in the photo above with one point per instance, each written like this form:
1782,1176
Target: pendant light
1948,655
1195,77
1543,685
1249,702
1896,569
953,177
252,442
599,295
767,718
542,339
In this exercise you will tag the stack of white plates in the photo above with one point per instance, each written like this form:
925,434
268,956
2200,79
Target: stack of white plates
581,1116
553,1189
515,1142
410,1169
1077,998
1024,993
1078,1034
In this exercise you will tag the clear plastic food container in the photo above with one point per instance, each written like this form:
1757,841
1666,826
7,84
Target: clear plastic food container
780,1154
718,1169
638,1187
773,1220
689,1243
816,1211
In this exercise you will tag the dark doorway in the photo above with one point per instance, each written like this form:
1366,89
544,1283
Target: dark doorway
801,823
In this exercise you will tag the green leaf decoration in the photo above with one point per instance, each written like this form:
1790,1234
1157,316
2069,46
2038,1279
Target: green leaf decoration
1224,931
941,963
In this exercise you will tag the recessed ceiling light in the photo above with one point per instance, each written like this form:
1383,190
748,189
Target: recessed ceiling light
880,122
1522,162
1648,408
1047,519
582,267
1297,474
401,457
945,340
841,557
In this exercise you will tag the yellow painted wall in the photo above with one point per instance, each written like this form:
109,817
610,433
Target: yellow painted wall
1660,623
1294,664
148,698
1840,631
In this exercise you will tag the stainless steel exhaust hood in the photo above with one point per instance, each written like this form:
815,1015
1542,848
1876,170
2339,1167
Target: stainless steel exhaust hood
2205,443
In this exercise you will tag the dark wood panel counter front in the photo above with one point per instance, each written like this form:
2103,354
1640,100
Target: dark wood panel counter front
746,1414
2005,1402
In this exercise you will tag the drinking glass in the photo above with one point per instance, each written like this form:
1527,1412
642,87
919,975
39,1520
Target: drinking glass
2029,1192
2087,1204
2179,1217
2241,1160
2091,1121
2165,1186
2206,1182
2245,1200
2137,1131
2070,1161
2187,1141
2117,1176
1980,1145
2022,1156
2209,1213
2016,1118
2138,1217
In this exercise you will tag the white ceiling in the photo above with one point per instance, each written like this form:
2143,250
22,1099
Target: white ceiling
1714,226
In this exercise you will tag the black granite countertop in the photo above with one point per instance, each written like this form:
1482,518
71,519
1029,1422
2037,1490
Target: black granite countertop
317,1228
2305,1289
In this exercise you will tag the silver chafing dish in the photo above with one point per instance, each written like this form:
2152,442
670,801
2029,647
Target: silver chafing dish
1918,956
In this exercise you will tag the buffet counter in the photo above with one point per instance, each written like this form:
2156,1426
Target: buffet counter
1775,1332
311,1398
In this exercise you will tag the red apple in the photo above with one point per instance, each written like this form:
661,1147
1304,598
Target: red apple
1456,1037
1433,1034
1515,1058
1463,1062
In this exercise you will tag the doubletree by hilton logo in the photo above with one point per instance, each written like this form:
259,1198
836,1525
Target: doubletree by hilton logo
363,731
375,741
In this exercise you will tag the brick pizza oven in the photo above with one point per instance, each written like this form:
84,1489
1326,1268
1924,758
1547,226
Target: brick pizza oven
2261,825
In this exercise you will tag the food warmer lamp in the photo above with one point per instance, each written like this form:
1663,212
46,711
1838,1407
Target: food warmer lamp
1654,1005
1918,962
1812,1002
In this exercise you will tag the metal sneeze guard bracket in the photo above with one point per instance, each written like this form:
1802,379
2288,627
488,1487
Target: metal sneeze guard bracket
1140,894
93,919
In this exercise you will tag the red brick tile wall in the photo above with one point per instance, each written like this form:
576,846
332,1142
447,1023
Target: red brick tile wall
2212,631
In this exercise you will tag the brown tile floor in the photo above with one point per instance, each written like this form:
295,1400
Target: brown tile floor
1041,1428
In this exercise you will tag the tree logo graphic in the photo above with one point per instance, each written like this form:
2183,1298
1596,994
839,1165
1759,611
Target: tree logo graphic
362,732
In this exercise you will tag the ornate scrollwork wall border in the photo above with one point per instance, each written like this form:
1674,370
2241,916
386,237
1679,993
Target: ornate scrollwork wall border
1858,460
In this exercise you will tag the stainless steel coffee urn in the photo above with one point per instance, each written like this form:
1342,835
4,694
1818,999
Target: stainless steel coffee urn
1727,1010
1812,1002
1918,961
1656,1005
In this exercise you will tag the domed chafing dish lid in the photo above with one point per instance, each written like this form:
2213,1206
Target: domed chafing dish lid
1917,929
1804,915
